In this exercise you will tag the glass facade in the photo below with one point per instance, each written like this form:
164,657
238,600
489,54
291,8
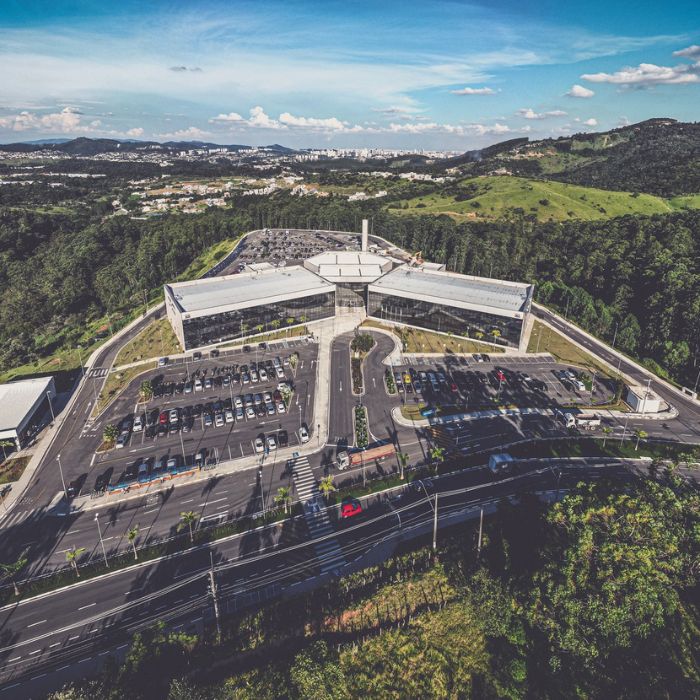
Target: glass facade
445,319
252,320
351,294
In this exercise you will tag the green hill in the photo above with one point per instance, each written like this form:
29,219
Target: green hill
492,197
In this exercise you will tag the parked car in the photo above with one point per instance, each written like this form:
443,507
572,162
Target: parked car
162,362
303,434
350,507
259,444
271,442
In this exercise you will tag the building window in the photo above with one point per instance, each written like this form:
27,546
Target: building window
266,318
490,328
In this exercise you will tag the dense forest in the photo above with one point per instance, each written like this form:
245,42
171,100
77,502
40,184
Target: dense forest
635,279
659,156
593,597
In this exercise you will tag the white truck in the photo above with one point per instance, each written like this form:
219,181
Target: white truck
586,421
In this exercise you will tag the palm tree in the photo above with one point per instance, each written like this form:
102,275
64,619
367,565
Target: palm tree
437,455
146,390
326,486
275,323
188,519
283,497
403,461
131,535
606,432
72,558
4,444
641,435
110,433
259,327
11,569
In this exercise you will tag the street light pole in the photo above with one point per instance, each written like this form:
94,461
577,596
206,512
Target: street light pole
102,544
80,359
63,481
435,522
215,598
481,529
53,415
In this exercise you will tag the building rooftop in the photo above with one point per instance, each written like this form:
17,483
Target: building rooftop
18,398
349,266
246,289
495,296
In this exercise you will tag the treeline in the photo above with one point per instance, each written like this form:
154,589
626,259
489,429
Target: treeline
594,597
633,279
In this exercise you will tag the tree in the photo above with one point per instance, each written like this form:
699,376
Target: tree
326,486
283,497
606,432
403,462
437,455
4,444
146,390
110,433
72,558
641,435
131,535
9,571
188,519
275,323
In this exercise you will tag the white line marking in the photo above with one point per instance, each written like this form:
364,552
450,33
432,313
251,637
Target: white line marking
34,624
87,606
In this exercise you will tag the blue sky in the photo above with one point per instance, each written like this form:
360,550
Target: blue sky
447,75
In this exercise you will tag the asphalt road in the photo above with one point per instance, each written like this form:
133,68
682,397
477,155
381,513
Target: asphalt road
76,628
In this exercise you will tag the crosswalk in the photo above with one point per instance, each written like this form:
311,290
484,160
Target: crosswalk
328,550
18,517
98,372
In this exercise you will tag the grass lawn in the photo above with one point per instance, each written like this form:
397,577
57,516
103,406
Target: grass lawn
411,411
418,341
208,259
545,339
156,340
493,196
116,383
11,469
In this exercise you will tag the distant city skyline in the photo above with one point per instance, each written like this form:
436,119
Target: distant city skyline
443,75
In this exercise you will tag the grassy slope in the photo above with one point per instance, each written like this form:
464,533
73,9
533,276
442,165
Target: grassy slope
497,194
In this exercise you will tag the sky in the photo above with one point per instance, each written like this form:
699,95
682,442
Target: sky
428,74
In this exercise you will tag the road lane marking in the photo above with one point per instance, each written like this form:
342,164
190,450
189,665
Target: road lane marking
218,500
70,639
87,606
34,624
37,651
189,500
55,644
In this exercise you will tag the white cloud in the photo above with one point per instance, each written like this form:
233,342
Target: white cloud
230,117
67,121
691,52
330,124
457,129
649,74
591,122
135,132
529,113
623,121
474,91
580,91
259,119
191,133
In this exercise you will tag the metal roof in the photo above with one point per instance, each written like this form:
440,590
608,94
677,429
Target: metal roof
349,266
18,398
450,288
247,289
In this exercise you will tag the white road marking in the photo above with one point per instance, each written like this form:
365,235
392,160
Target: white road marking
189,500
34,624
218,500
87,606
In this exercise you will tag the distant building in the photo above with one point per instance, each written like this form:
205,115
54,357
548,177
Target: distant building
23,404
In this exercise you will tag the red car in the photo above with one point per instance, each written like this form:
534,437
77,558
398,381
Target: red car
453,388
163,418
501,376
350,507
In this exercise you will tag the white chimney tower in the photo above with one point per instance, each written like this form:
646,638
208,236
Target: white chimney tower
365,235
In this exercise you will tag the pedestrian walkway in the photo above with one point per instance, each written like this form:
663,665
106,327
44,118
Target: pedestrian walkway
328,550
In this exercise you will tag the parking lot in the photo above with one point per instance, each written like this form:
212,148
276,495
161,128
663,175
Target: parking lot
288,247
465,384
211,409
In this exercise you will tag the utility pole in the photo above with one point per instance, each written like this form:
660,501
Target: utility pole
435,522
481,529
53,415
99,531
215,598
63,481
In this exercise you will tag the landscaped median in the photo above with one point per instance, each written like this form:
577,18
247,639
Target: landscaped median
116,382
360,347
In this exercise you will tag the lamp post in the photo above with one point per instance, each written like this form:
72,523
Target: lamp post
102,544
80,359
63,481
53,415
